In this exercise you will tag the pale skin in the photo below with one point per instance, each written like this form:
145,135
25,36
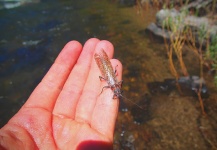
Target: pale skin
66,109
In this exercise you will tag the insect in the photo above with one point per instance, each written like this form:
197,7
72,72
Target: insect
109,75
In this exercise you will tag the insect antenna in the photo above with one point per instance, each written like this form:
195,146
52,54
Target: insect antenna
131,101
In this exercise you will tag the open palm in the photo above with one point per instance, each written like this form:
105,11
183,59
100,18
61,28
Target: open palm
65,111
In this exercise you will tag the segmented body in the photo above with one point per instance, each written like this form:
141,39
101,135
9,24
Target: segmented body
108,74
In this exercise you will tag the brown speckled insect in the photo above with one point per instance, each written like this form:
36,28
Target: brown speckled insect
108,74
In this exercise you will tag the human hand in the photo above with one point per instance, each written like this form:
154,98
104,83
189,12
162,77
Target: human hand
65,111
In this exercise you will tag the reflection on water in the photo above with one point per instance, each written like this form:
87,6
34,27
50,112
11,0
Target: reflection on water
31,38
9,4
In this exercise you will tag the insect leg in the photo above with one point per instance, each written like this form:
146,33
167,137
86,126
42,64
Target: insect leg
105,87
115,96
116,74
101,78
120,83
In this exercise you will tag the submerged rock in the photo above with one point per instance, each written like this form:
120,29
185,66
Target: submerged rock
194,84
189,86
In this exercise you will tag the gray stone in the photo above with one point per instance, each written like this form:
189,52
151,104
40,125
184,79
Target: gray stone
164,14
202,28
158,32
